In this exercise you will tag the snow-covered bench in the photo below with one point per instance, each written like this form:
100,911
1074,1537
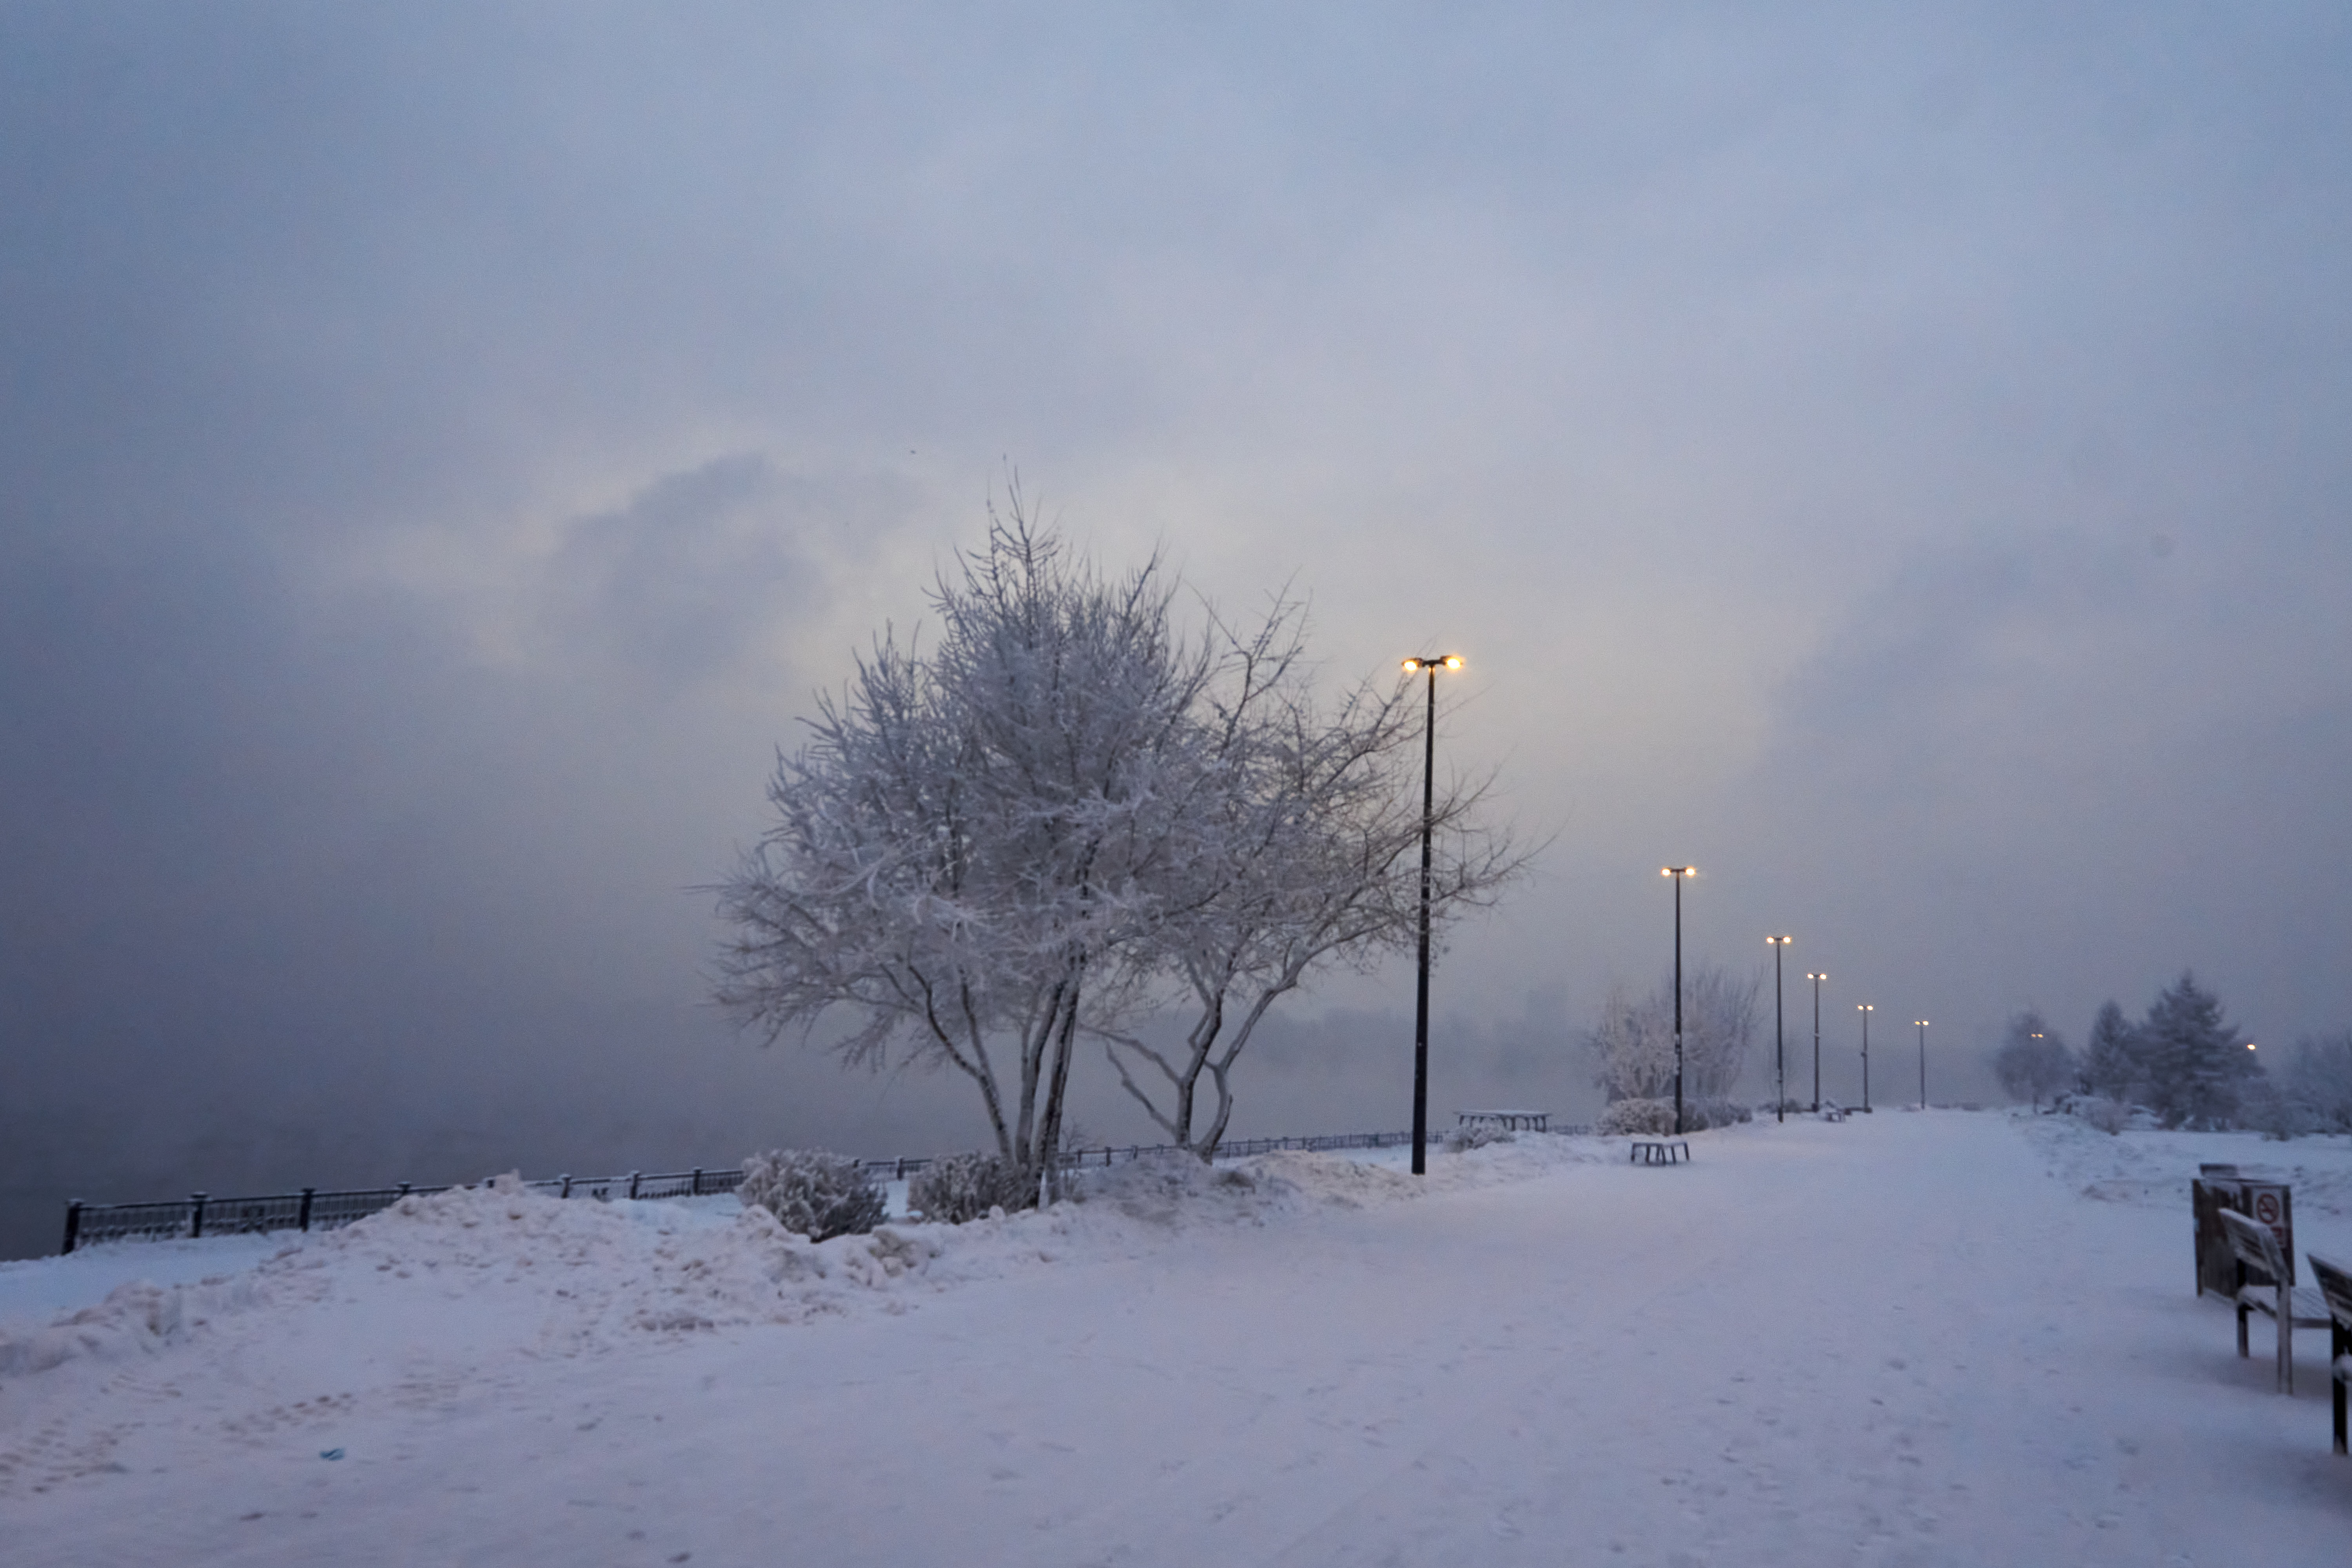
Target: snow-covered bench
2336,1286
1503,1121
2274,1294
1659,1150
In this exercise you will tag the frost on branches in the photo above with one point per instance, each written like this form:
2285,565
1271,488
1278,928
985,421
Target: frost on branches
1060,816
2033,1064
819,1195
1633,1046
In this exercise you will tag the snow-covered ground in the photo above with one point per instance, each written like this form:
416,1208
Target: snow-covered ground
1912,1338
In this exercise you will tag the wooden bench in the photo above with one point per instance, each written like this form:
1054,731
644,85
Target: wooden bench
1660,1151
1832,1113
2336,1286
2273,1293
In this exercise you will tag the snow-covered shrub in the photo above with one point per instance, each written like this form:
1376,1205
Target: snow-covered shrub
1462,1139
1647,1117
2318,1081
2269,1110
966,1186
2109,1116
1638,1116
820,1195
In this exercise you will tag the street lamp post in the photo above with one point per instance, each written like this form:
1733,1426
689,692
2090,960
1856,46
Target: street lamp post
1678,873
1780,1033
1923,1061
1817,980
1866,1009
1421,998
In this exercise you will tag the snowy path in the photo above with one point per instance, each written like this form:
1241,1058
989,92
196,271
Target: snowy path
1897,1341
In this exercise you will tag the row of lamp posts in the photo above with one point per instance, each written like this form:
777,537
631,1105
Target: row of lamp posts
1430,664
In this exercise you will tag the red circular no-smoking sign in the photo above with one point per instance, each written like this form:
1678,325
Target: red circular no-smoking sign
2266,1207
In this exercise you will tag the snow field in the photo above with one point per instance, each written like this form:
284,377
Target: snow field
1937,1338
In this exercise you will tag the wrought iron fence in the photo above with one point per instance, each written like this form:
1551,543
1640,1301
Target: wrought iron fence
314,1208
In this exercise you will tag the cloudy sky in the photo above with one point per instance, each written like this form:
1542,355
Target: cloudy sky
1894,462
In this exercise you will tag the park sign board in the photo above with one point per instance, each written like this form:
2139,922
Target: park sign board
2267,1203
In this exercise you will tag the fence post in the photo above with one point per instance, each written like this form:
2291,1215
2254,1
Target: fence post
73,1225
633,1183
567,1186
697,1181
404,1189
196,1216
308,1193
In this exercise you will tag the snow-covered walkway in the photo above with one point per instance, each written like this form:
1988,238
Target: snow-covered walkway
1938,1338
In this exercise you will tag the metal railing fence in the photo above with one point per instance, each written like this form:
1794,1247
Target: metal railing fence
315,1208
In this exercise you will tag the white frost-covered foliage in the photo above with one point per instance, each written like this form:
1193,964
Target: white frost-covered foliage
1305,853
963,1188
2109,1116
1639,1116
977,832
1063,808
2032,1062
1462,1139
1634,1044
813,1192
2317,1081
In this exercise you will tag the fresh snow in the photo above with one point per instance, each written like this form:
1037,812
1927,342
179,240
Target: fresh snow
1911,1338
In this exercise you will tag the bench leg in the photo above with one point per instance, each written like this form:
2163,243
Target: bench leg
2339,1377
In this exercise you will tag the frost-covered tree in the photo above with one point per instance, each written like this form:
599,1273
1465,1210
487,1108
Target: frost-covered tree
2032,1062
1306,855
2196,1064
1632,1044
2112,1065
971,837
1060,814
2317,1081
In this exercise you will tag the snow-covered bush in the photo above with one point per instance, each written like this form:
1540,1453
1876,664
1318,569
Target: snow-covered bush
2271,1111
1654,1117
966,1186
2107,1115
2318,1081
820,1195
1637,1116
1462,1139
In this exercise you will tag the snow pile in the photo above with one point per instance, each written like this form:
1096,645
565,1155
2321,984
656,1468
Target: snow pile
137,1319
571,1275
2151,1168
1938,1338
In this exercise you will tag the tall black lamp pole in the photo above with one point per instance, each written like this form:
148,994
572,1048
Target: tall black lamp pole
1780,1033
1866,1009
1421,998
1817,980
1923,1061
1678,873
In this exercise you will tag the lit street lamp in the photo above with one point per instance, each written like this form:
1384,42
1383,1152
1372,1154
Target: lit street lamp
1923,1061
1866,1009
1817,980
1678,873
1780,1033
1421,1000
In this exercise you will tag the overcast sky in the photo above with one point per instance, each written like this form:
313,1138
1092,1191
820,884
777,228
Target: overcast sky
1895,462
